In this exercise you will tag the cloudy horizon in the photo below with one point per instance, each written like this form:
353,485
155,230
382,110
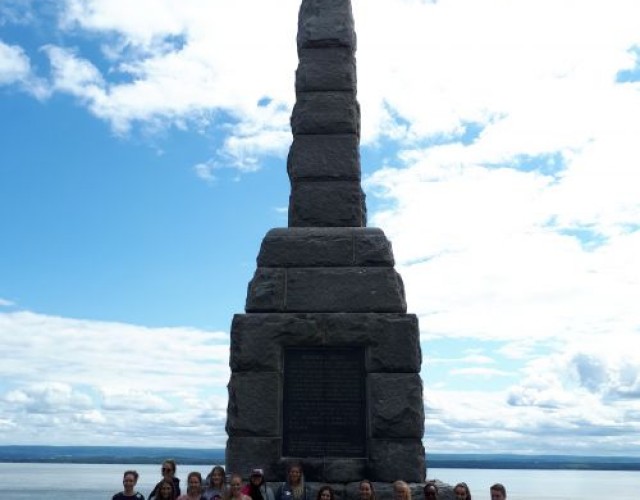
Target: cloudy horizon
144,148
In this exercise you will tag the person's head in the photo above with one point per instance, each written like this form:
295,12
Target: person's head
461,491
430,491
366,490
498,492
129,480
168,468
326,493
294,474
166,490
235,485
401,491
216,477
194,483
257,477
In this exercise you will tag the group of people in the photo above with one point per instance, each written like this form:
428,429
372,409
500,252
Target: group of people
214,487
460,490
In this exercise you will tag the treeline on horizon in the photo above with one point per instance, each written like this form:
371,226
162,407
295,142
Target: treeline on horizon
142,455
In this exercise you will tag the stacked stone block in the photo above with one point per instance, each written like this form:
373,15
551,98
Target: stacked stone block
329,287
326,281
324,160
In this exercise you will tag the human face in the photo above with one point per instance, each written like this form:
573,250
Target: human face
256,480
398,493
166,490
325,495
236,487
365,491
295,475
497,495
167,470
217,478
194,485
129,481
430,493
460,493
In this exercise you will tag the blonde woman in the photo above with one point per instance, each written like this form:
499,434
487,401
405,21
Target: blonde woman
235,488
294,488
401,491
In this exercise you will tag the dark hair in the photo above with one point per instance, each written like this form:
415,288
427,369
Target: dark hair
430,484
158,489
172,463
466,489
195,474
373,491
499,487
209,479
326,488
132,473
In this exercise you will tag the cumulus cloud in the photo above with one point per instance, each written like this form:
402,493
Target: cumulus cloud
14,64
513,206
15,68
106,379
187,64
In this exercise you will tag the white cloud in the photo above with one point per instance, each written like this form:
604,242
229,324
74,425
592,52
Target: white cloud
101,377
15,68
14,64
513,207
6,303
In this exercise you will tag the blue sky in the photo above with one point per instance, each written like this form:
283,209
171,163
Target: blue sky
143,160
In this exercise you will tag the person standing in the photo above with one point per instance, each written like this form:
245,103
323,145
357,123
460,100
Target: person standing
129,481
166,490
326,493
257,487
462,492
235,488
430,491
194,487
216,488
168,471
366,491
498,492
294,488
401,491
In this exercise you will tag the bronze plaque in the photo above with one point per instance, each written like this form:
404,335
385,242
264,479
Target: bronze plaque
324,405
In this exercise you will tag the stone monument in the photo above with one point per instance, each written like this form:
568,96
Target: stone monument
325,362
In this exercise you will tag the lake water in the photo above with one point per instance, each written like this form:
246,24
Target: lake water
101,481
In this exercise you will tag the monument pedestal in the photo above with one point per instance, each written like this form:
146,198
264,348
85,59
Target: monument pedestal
325,364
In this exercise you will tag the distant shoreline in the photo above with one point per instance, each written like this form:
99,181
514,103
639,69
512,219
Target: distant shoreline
147,455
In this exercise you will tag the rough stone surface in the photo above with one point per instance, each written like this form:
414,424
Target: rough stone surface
246,453
396,406
338,471
391,459
324,157
253,408
326,69
327,203
327,282
345,289
327,289
326,23
326,113
392,340
267,290
325,247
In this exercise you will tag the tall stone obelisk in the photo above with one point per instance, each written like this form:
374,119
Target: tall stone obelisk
325,362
